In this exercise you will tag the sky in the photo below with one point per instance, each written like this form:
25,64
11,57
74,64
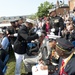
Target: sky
21,7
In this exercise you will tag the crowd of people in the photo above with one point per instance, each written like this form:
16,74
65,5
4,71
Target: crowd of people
43,45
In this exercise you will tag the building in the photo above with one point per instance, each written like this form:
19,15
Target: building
60,8
64,9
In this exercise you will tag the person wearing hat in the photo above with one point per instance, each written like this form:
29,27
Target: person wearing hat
47,47
29,61
65,50
17,25
13,29
56,22
12,32
66,58
21,21
20,45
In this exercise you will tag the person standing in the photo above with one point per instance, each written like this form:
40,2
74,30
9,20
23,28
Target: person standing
56,22
46,26
20,45
47,55
11,31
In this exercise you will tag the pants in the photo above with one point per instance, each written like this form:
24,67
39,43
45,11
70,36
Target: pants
29,61
19,58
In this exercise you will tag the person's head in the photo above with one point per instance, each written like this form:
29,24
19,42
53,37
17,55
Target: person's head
63,47
53,13
5,33
29,23
21,20
52,43
48,21
16,22
69,25
13,23
52,40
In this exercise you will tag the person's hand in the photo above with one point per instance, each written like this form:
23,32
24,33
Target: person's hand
42,67
8,35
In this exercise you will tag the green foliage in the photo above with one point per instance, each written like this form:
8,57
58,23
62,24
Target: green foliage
43,9
33,16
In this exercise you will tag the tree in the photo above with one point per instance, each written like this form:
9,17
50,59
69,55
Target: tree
43,9
32,16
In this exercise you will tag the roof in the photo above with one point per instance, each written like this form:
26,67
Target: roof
61,6
10,18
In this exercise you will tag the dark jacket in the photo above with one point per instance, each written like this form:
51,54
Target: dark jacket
23,38
70,67
1,73
57,22
11,31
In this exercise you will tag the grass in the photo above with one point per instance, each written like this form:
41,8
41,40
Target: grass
11,65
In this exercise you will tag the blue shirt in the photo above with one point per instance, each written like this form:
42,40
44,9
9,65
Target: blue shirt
5,42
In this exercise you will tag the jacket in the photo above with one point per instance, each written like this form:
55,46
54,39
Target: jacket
20,45
70,67
57,22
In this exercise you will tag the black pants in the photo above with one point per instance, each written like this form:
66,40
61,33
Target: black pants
1,73
3,54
